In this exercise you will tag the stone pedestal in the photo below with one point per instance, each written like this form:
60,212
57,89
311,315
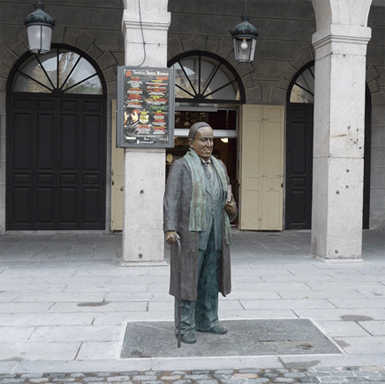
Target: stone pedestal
339,123
145,25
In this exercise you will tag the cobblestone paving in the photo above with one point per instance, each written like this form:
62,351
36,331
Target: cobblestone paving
356,375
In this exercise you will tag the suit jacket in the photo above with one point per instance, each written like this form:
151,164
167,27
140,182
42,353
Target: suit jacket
176,213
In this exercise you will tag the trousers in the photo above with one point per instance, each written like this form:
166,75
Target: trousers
202,314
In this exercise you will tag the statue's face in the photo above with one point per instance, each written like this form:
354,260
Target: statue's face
203,143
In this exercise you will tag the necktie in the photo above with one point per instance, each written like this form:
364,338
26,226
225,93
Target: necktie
206,170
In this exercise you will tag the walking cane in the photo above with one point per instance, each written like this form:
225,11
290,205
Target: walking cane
179,300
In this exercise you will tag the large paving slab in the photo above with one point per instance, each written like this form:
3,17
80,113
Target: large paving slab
245,338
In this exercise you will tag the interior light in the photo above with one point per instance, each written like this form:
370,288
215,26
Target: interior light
244,44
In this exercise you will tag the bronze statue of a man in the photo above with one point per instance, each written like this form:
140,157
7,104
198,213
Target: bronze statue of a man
197,209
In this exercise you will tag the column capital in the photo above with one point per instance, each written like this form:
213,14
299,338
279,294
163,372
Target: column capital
341,39
148,25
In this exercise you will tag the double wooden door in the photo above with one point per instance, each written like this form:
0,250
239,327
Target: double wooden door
56,162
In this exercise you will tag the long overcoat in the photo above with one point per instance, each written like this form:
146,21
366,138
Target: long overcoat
176,211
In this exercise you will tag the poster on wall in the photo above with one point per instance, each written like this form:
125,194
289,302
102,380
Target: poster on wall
146,107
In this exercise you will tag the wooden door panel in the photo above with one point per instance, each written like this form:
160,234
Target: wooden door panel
19,167
45,135
21,137
299,166
117,178
21,208
92,141
262,168
68,206
45,207
91,199
299,142
53,141
68,142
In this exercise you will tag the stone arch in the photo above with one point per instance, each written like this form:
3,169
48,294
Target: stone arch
223,47
84,41
341,12
305,56
372,80
106,61
289,69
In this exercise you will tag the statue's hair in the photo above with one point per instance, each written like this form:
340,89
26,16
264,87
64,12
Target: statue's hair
194,129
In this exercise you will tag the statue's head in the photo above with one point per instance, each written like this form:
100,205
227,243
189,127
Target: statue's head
201,139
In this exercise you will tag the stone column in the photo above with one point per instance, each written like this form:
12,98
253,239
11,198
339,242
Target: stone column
145,25
339,123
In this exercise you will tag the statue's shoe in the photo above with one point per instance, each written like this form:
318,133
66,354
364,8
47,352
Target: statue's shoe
217,329
187,338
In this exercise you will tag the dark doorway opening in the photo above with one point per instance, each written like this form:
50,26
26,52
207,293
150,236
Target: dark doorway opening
225,148
299,152
56,143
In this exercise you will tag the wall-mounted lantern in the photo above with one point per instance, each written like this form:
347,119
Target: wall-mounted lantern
245,39
39,29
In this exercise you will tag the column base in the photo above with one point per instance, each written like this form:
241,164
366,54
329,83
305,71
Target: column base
332,261
143,263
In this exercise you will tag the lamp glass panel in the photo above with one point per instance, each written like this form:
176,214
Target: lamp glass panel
34,33
46,39
39,38
252,52
242,55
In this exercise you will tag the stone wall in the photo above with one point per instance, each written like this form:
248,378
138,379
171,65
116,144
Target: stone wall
283,47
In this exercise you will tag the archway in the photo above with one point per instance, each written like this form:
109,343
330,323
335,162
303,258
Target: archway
299,151
208,88
56,142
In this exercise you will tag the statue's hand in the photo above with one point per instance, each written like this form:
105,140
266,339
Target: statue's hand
231,207
171,237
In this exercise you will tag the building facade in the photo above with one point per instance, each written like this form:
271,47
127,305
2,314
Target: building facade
311,104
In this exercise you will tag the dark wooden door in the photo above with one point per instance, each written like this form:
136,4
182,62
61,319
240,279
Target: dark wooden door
56,162
299,163
299,166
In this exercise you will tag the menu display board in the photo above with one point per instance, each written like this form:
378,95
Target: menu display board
146,107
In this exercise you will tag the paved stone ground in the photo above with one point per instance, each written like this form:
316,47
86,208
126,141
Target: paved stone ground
224,376
64,303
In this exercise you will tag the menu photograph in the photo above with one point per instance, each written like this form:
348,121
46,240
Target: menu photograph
146,108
